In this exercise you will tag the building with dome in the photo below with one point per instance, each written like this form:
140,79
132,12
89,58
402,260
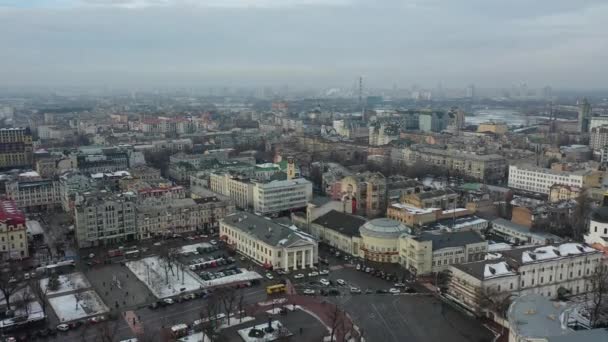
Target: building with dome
380,239
598,229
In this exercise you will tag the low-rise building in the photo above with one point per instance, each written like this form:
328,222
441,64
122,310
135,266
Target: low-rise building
13,232
380,240
339,230
598,228
562,192
268,243
543,270
520,234
540,180
414,216
365,193
442,199
435,251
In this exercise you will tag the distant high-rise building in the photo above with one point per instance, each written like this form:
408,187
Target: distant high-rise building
547,92
470,91
584,116
15,147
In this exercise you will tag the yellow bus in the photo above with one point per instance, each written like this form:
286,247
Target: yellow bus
279,288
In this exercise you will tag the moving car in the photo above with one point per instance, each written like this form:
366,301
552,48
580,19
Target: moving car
298,276
394,290
399,285
63,327
324,272
269,276
97,319
168,301
355,290
309,292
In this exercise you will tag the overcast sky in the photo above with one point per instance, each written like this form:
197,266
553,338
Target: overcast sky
492,43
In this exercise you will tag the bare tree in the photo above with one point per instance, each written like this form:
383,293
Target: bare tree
336,317
39,293
209,317
494,301
8,284
23,299
580,215
227,297
597,297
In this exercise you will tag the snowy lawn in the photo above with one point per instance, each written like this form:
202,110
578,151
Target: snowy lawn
67,283
151,271
78,305
196,337
244,276
33,313
279,332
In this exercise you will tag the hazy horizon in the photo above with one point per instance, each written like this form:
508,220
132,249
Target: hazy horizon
122,43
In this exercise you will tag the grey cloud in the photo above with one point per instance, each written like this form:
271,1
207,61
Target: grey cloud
554,42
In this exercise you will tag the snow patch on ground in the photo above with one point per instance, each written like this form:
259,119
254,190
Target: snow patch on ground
196,337
33,313
78,305
244,276
279,331
274,301
67,283
151,271
232,321
193,247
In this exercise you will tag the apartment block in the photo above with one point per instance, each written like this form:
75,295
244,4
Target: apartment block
34,194
15,147
104,218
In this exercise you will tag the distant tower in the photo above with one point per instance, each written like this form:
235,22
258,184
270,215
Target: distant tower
361,98
291,168
584,115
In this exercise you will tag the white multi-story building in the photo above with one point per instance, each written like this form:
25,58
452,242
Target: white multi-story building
240,190
599,137
268,243
105,218
531,270
598,121
540,180
277,196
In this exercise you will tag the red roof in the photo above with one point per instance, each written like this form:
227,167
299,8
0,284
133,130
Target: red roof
10,213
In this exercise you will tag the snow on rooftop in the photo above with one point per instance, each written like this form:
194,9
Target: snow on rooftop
500,246
412,209
493,256
554,252
497,270
29,174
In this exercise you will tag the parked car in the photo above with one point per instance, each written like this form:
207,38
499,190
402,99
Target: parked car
213,242
168,301
341,282
324,272
63,327
369,291
313,274
324,282
394,290
398,285
358,267
355,290
269,276
309,292
298,276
